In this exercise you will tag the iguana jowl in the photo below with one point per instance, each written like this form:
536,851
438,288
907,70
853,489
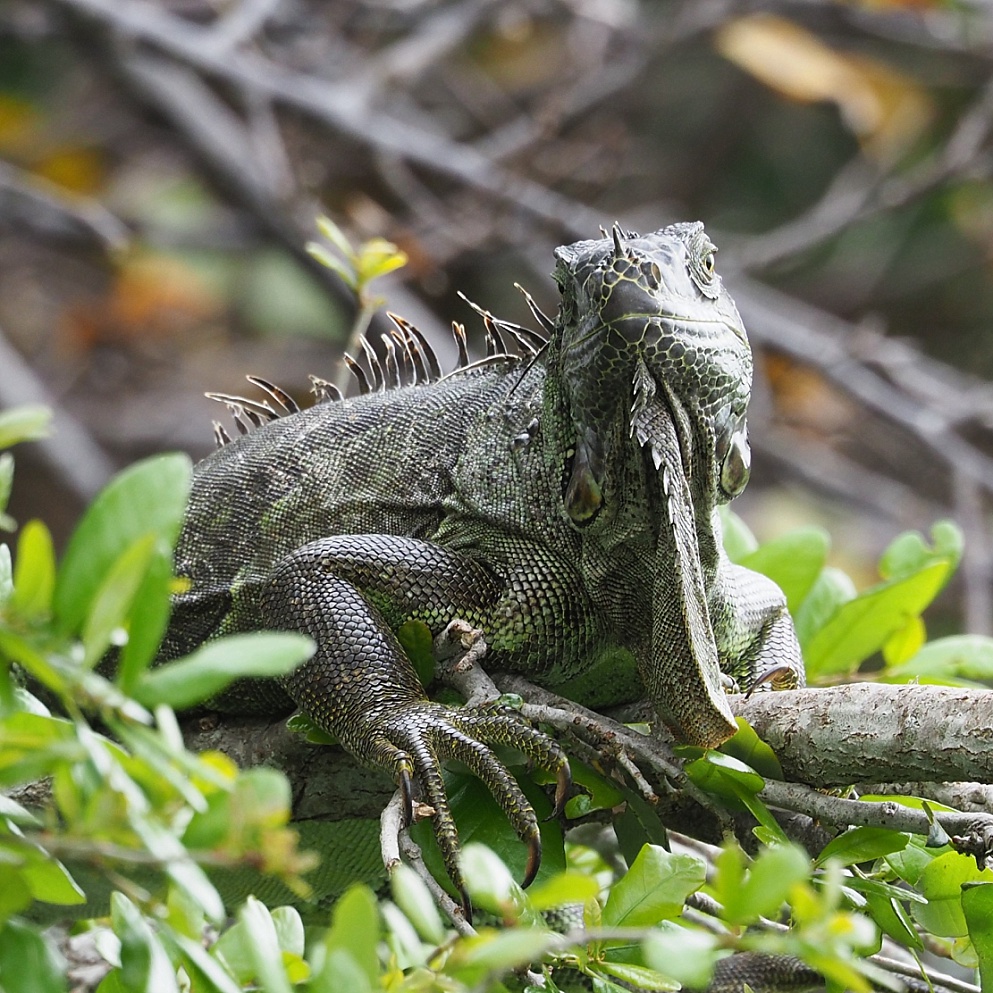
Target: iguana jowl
567,506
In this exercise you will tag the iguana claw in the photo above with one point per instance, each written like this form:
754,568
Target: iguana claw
422,733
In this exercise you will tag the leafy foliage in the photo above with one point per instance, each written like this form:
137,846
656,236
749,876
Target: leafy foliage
139,810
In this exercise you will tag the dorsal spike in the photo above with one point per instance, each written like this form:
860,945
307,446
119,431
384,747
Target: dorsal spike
280,396
221,436
458,333
237,410
358,372
478,364
604,231
392,366
495,345
422,347
527,365
323,390
618,247
494,334
521,336
404,345
258,411
376,367
539,315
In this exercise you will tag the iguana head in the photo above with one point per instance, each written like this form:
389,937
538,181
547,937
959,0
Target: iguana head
650,353
646,323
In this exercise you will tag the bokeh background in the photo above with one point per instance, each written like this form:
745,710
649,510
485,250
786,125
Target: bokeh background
162,163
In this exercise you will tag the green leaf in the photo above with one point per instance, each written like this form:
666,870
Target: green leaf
6,485
767,884
905,642
736,784
341,269
654,888
145,967
603,793
491,886
336,236
862,844
34,571
206,971
909,553
377,257
26,423
687,956
340,971
15,895
861,627
738,539
415,637
6,575
29,962
832,589
355,928
50,882
941,882
205,672
957,657
263,948
147,498
793,561
891,917
977,904
414,899
639,977
114,597
563,889
147,621
748,748
503,950
303,725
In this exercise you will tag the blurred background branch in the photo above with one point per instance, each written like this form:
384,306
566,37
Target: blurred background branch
162,163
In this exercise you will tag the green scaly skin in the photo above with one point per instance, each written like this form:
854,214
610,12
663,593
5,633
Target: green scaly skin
567,508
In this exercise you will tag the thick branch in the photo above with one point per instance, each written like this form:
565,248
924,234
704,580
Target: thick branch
871,731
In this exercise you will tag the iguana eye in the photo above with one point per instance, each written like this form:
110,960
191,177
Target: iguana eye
710,262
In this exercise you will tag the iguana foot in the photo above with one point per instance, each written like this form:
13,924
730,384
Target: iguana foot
415,739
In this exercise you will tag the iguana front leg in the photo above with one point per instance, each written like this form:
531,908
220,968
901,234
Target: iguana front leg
757,640
345,592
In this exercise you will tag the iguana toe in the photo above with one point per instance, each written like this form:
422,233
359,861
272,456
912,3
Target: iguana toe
430,732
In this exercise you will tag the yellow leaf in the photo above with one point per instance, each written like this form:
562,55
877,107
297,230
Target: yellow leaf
883,108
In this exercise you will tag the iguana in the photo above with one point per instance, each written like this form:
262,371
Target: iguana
563,500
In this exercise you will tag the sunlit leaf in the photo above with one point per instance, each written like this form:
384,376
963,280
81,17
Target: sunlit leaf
204,673
862,844
793,561
861,626
34,571
30,962
767,884
355,928
977,904
415,900
27,423
145,967
941,882
147,498
654,888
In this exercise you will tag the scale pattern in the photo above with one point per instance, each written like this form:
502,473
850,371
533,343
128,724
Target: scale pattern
564,501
